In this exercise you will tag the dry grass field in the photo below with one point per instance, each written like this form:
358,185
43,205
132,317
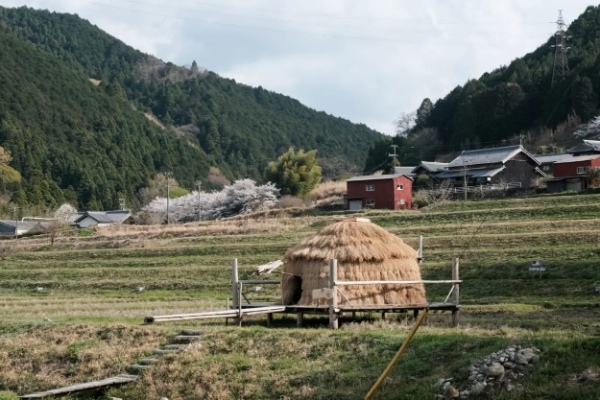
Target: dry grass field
70,312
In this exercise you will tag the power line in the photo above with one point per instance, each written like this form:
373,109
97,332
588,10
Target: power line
294,31
279,15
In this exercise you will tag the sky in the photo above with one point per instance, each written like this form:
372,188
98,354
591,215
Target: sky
366,61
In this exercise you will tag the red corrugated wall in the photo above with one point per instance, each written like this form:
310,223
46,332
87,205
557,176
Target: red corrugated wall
386,194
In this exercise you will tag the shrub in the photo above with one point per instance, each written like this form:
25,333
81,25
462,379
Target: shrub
290,202
420,199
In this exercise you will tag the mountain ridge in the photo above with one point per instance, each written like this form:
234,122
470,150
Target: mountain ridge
513,100
235,127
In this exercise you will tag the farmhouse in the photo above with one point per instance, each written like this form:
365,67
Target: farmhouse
102,218
18,228
426,171
390,192
512,165
365,252
429,168
573,174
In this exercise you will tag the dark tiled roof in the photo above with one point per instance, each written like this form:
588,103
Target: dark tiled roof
105,217
433,166
496,155
471,173
22,224
587,145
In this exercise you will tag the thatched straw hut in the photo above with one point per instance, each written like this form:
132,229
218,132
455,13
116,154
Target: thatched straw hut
365,252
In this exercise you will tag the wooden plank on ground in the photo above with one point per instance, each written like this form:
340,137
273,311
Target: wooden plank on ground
214,314
113,381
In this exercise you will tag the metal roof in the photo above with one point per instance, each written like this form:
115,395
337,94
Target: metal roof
496,155
408,171
579,158
552,158
374,177
432,166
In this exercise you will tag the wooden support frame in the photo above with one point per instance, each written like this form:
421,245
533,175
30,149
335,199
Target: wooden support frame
456,287
234,283
333,311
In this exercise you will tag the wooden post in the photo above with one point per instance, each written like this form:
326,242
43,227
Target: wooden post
420,251
239,293
269,319
299,319
333,317
383,316
455,276
234,283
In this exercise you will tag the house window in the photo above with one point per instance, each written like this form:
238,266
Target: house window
545,168
400,187
581,170
370,203
370,188
401,202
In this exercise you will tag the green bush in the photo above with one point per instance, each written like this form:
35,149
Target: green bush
4,395
420,200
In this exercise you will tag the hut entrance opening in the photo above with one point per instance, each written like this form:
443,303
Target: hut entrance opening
295,287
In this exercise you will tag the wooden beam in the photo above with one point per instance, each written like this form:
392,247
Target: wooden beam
351,283
455,276
333,273
215,314
115,380
234,283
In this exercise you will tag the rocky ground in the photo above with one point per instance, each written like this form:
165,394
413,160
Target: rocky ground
498,371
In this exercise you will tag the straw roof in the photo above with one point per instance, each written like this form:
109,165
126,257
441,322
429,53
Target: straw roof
364,252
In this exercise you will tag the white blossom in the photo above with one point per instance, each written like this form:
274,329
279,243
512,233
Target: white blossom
241,197
65,214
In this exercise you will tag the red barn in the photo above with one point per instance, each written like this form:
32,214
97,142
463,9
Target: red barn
573,173
390,192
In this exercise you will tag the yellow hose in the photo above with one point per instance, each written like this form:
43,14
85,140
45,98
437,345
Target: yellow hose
397,356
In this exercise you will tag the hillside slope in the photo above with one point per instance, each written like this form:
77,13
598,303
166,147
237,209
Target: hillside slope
74,141
240,127
515,99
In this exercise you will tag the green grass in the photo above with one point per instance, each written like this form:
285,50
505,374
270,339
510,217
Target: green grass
88,290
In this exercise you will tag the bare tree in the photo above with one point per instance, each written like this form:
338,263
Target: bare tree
405,123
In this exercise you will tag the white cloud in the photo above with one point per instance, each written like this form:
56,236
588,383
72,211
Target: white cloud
365,61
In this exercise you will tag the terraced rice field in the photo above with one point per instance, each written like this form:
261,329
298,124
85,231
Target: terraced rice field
92,281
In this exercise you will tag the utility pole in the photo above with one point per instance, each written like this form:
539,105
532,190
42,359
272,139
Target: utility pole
394,157
168,175
561,64
199,184
464,178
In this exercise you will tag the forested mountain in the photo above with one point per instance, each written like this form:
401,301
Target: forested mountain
240,128
75,141
511,100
